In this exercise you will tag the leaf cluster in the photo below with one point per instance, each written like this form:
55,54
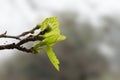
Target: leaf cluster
50,33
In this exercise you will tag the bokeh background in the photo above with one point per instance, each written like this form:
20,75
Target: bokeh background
90,52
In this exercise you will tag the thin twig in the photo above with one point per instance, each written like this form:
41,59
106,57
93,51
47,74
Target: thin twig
30,31
14,46
19,44
4,35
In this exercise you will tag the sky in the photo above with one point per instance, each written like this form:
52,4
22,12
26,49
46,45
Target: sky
17,16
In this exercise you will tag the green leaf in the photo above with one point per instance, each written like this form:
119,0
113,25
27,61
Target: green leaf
61,37
54,60
52,21
52,35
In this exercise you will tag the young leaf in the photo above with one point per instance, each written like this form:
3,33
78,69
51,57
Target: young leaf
54,35
51,35
52,21
54,60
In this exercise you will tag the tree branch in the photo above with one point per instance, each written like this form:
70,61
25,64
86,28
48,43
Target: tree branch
30,31
19,44
4,35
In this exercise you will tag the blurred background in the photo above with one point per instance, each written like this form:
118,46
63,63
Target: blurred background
90,52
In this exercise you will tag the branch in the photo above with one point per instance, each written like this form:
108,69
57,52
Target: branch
30,31
4,35
22,41
14,46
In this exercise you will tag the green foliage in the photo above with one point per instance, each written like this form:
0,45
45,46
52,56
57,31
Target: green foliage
51,35
52,57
